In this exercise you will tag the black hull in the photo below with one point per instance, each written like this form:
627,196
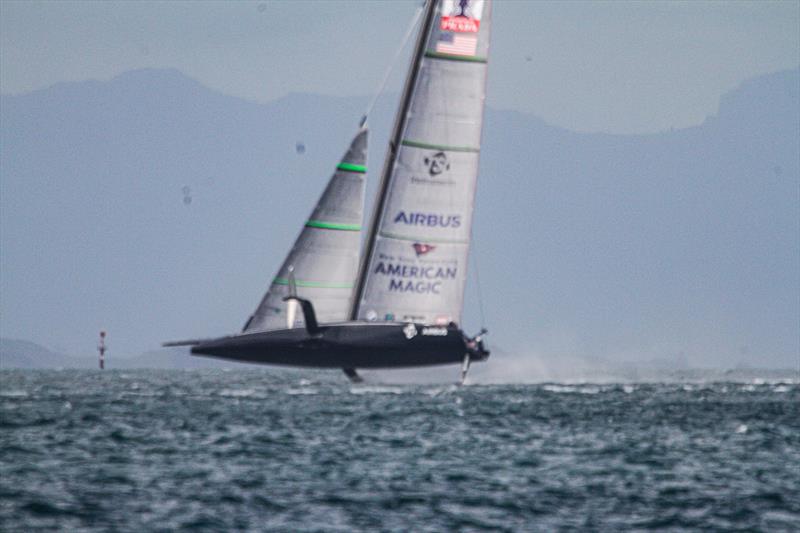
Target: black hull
348,345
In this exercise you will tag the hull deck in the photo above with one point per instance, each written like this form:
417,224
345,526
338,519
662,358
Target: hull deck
348,345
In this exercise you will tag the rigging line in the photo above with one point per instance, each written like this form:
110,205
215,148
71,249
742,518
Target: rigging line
392,63
474,255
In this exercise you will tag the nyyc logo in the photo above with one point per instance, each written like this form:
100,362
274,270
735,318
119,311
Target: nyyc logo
436,163
431,220
422,249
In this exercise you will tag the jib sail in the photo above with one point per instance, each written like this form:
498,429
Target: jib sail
324,259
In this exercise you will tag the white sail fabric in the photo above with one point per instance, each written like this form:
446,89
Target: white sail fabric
325,257
417,264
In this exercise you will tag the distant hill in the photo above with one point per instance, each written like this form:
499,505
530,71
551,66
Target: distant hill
23,354
158,209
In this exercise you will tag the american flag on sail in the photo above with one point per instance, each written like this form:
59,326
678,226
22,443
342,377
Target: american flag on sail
457,44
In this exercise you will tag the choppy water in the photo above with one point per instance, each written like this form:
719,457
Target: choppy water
274,450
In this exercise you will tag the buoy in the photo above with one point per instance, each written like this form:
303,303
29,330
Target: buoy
101,347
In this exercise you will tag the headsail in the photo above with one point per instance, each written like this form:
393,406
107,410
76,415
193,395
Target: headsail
324,259
416,256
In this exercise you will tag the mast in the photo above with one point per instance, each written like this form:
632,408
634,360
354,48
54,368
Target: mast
388,163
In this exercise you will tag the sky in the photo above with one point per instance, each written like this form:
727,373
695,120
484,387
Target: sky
623,68
617,67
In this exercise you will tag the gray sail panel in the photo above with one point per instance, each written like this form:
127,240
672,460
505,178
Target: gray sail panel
325,256
418,261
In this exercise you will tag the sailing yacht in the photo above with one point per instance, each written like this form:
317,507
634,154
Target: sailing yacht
399,303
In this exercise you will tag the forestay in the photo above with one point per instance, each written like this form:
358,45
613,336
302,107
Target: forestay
324,259
417,249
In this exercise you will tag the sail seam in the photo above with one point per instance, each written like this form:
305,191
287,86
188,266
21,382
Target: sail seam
450,57
351,167
442,147
332,225
314,284
421,239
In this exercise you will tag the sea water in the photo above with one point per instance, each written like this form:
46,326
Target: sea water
308,451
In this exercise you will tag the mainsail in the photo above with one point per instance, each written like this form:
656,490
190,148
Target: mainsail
416,257
323,262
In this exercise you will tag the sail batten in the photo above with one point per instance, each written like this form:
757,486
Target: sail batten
321,224
451,57
415,264
419,238
443,147
320,284
352,167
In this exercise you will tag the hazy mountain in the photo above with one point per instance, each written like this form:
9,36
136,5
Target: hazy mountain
23,354
682,246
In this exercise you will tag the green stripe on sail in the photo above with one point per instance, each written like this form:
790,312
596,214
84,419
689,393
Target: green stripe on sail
451,57
314,284
421,239
350,167
442,147
332,225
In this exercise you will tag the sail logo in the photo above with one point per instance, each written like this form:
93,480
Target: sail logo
437,166
410,331
425,279
422,249
436,163
461,15
434,332
418,272
429,220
